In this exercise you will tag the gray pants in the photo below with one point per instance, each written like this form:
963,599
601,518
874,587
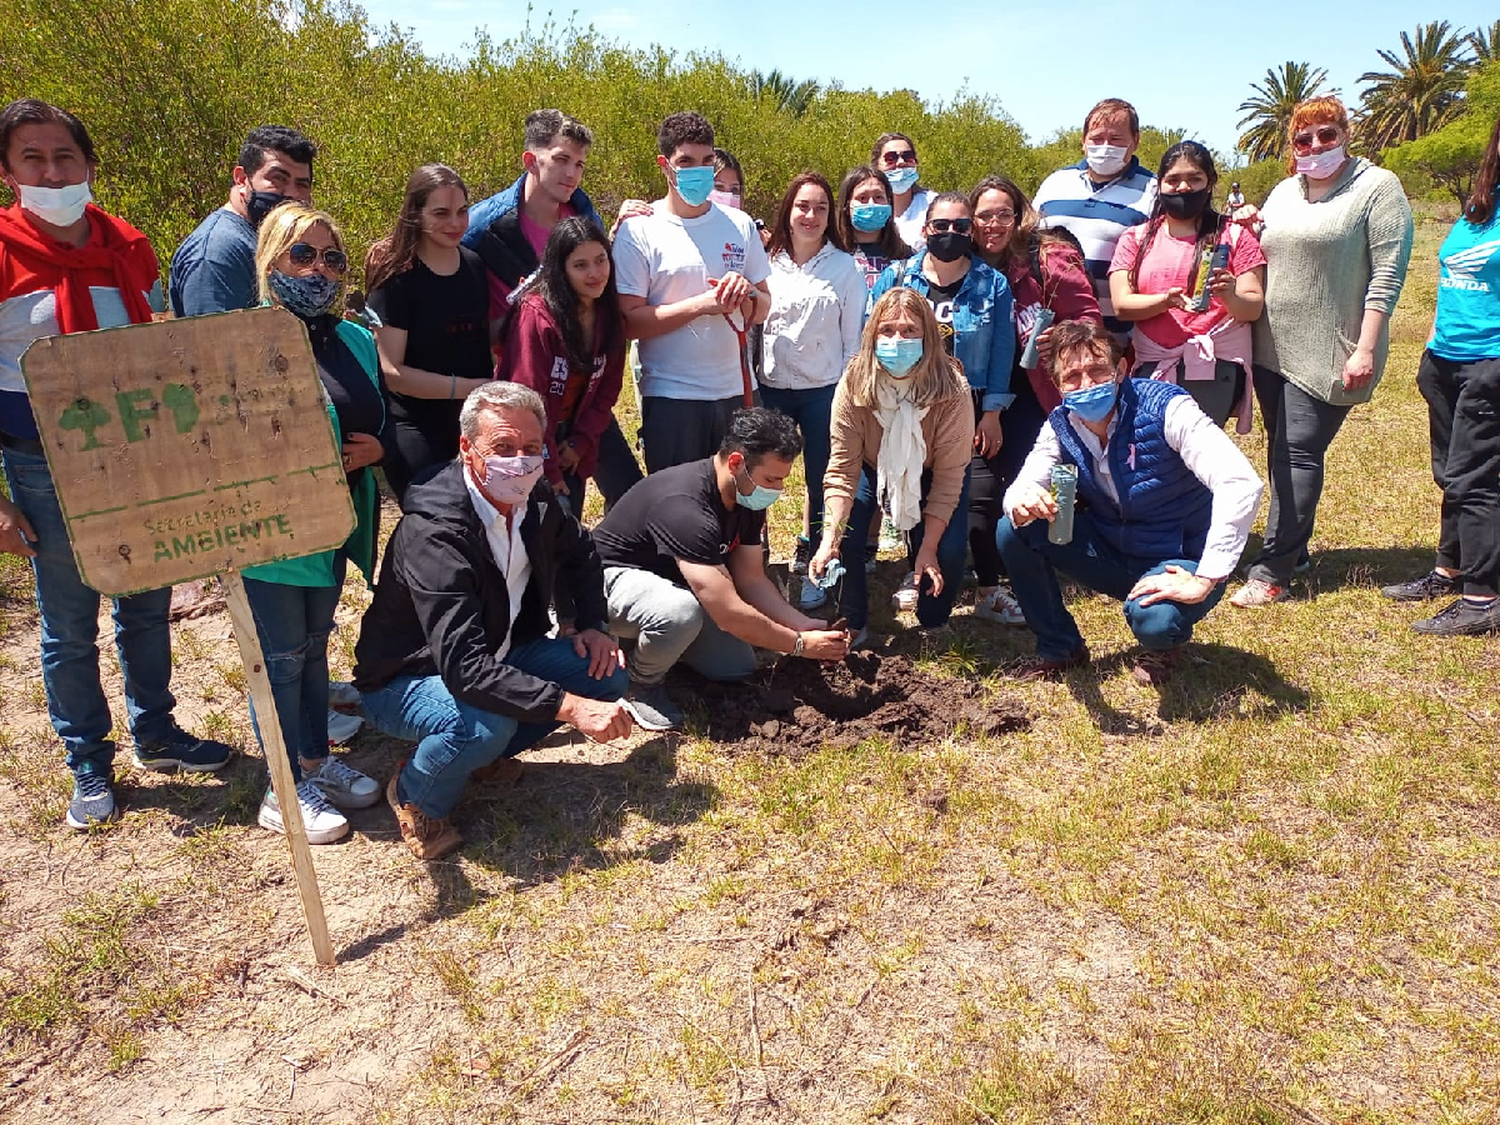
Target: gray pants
676,430
1299,430
668,624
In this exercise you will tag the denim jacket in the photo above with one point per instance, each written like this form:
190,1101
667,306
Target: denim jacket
984,334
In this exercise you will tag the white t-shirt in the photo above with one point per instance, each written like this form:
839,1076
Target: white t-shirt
909,223
665,259
508,550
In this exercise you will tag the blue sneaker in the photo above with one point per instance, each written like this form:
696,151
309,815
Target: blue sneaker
93,800
182,751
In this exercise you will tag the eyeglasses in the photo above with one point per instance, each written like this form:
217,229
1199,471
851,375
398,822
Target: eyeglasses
995,218
1326,135
901,156
305,254
957,226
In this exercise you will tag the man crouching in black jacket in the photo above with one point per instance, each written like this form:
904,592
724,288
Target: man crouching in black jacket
453,652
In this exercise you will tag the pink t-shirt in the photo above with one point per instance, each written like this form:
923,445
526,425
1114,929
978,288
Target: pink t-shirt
537,235
1169,262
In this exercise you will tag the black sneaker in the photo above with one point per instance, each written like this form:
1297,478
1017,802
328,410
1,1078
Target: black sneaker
93,800
1430,585
872,553
652,708
182,751
801,555
1462,618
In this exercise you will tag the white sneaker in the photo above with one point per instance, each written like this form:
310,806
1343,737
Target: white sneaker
812,595
890,535
344,785
342,694
342,727
323,823
904,600
1000,606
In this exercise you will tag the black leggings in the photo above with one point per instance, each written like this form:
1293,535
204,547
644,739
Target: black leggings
989,477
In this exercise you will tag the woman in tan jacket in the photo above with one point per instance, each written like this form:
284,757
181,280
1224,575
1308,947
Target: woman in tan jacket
902,432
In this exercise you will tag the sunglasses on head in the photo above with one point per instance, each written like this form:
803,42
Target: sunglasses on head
304,254
957,226
1326,135
902,156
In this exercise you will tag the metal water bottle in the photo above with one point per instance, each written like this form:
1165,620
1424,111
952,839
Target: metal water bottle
1208,262
1064,491
1044,319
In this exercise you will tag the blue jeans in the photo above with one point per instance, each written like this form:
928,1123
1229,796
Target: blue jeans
454,738
1033,561
952,548
812,410
70,634
293,623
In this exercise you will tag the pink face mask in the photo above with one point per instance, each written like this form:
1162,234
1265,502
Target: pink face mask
1321,165
511,479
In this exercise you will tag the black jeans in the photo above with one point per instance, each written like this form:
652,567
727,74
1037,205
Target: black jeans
676,430
1299,430
1463,421
617,469
989,477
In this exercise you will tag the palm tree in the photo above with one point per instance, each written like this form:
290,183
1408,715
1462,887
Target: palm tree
1421,92
1486,43
784,91
1271,107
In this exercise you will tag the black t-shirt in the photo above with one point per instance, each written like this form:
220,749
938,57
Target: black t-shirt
355,396
446,320
940,297
673,514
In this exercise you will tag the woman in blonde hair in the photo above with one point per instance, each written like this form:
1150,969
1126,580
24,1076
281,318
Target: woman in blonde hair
300,263
902,432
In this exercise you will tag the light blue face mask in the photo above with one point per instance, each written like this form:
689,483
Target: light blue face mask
870,217
694,184
898,355
758,500
902,179
1092,404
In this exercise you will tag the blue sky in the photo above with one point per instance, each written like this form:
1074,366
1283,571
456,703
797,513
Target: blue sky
1183,64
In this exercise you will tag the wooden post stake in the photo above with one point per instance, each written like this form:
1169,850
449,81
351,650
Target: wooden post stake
283,784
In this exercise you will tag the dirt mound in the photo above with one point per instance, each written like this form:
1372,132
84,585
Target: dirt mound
796,706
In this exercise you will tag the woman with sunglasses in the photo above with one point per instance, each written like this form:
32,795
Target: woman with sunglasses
432,297
300,263
1158,265
972,303
900,438
896,156
1337,239
1045,270
811,333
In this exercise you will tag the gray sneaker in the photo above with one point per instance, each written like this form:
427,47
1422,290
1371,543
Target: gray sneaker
93,800
652,708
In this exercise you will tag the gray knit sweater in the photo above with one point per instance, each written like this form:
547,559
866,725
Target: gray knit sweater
1326,262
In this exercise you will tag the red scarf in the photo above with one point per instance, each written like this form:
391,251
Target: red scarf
113,246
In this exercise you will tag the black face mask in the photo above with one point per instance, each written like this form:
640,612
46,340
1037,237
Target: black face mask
949,245
262,203
1185,204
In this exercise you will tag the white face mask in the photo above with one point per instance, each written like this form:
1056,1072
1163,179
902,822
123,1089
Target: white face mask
62,207
510,480
1321,165
1105,160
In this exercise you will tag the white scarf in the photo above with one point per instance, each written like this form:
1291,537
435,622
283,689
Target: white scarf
903,451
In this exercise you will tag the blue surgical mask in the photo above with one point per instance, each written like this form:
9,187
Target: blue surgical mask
758,500
308,296
902,179
694,184
1092,404
898,355
870,217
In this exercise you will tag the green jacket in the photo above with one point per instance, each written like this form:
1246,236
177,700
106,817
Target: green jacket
317,569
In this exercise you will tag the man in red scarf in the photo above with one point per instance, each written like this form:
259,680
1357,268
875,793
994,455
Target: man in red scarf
67,266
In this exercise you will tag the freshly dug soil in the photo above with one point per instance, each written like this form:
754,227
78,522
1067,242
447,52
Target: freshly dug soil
796,706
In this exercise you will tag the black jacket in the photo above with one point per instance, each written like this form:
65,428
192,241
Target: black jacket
442,608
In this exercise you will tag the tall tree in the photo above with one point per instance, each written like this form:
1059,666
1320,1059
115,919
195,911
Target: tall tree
1422,91
1485,43
1269,111
783,91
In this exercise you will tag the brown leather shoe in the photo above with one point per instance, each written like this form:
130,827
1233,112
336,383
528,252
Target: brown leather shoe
427,837
1045,668
502,772
1154,668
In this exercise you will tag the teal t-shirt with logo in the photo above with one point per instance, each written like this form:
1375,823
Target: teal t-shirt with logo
1467,327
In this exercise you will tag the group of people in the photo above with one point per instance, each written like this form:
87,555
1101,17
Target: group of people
1039,385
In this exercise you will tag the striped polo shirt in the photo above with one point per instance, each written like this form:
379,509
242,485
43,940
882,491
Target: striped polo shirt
1097,215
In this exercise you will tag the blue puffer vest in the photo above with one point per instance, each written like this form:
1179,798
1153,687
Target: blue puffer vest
1164,509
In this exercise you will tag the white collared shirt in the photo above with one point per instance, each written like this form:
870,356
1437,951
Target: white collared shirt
507,549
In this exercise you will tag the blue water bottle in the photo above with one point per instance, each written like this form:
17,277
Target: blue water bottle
1044,317
1064,492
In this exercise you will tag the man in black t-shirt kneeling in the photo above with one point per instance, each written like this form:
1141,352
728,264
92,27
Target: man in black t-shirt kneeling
684,568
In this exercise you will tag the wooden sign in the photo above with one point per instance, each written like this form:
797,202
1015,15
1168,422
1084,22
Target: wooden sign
187,448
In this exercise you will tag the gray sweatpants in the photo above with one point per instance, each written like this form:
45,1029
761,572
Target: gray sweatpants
668,624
